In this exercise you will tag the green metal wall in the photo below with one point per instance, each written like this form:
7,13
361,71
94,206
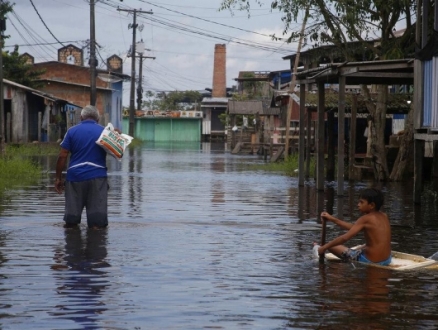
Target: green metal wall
162,129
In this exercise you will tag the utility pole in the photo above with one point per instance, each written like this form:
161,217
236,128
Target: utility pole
292,84
140,82
2,106
93,61
132,95
141,50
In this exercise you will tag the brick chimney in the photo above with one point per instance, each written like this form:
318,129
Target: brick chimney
219,71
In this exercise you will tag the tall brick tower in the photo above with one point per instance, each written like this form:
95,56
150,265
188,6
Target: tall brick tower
219,71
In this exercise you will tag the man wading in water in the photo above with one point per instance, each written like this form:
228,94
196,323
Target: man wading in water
375,226
86,182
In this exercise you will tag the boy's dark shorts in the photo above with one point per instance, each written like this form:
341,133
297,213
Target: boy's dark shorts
359,255
91,194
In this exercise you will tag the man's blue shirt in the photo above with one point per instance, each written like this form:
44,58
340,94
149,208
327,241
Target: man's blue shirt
87,159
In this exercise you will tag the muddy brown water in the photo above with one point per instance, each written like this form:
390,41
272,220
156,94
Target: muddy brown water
199,240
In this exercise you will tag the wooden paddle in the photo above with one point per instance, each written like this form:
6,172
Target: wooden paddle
323,234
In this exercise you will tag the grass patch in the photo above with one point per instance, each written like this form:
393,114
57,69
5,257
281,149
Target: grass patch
16,169
135,143
32,149
289,166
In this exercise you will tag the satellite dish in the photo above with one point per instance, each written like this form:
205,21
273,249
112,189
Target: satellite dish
109,78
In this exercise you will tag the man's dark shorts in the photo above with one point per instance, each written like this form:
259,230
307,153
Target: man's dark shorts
91,194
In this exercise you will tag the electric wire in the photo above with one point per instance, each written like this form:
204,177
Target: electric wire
205,33
35,49
42,44
33,5
205,20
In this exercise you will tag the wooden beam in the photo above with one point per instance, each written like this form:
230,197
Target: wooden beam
418,170
350,70
380,65
320,138
352,145
341,136
377,75
308,143
330,172
426,137
301,143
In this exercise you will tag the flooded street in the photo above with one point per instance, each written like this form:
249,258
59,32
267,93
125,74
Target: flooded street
199,239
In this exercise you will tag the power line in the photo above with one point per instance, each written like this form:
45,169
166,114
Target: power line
42,44
223,38
45,23
205,20
208,34
23,37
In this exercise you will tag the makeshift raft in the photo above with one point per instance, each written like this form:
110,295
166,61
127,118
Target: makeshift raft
400,261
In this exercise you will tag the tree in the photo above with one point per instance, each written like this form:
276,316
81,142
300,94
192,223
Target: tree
175,100
16,69
340,21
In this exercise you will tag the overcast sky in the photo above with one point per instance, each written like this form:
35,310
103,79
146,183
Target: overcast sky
180,34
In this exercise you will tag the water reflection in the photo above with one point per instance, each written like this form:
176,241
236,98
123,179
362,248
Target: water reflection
79,270
368,301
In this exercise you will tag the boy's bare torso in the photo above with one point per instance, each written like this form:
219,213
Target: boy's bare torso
377,232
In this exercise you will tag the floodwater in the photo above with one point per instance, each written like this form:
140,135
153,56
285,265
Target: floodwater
198,239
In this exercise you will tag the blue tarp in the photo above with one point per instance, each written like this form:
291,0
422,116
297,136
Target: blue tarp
284,77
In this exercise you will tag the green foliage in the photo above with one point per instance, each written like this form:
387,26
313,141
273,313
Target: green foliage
5,8
175,100
252,89
14,66
16,69
341,21
289,166
135,143
36,149
16,170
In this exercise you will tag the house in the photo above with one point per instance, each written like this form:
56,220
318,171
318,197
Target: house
263,129
389,72
425,96
69,79
255,84
34,115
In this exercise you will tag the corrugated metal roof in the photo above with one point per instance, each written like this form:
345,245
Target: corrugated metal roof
215,100
36,92
75,84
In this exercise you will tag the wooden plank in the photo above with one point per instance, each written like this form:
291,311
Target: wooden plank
308,138
376,75
348,70
352,146
378,66
301,142
418,169
426,137
237,148
277,155
320,138
341,136
330,172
